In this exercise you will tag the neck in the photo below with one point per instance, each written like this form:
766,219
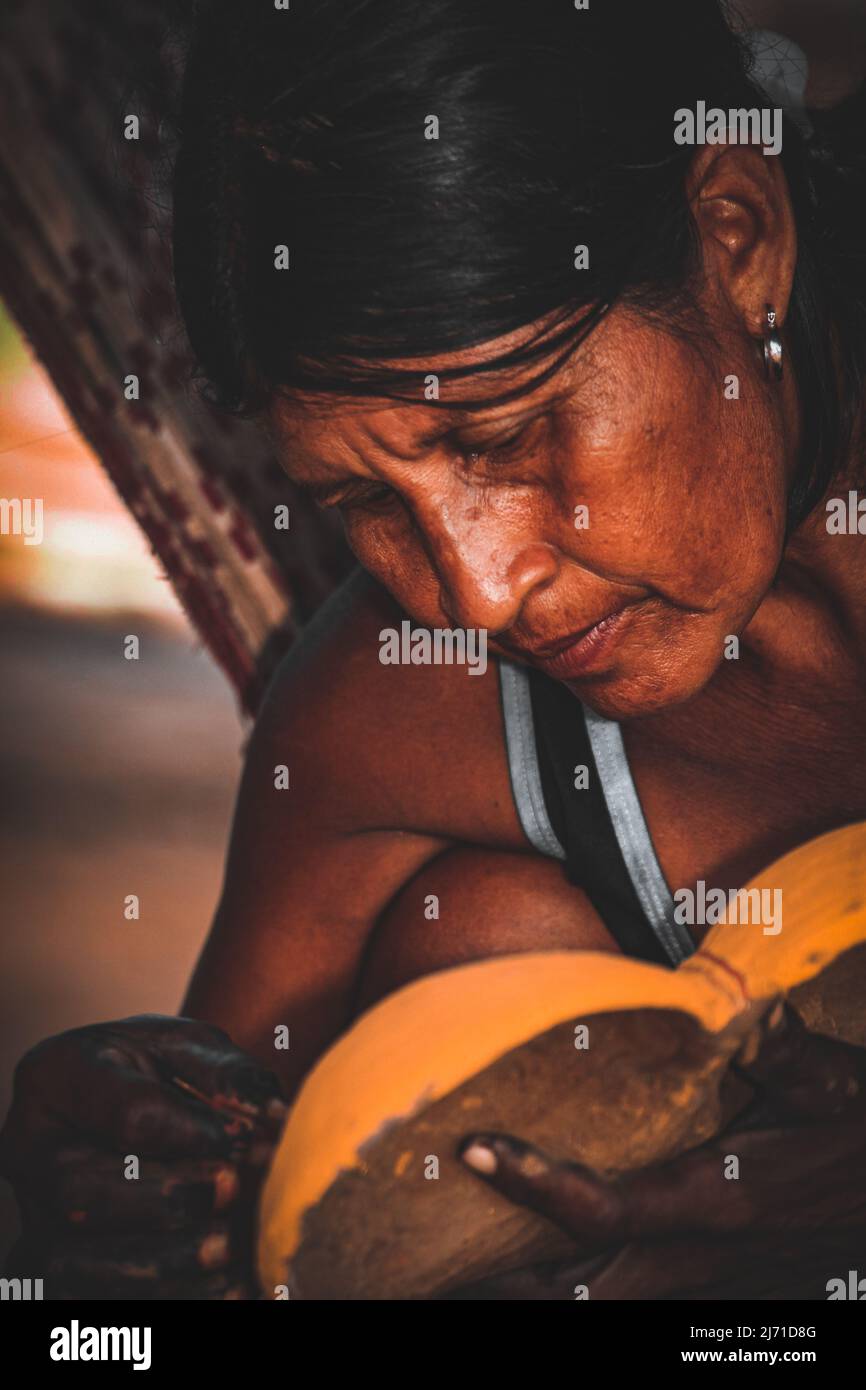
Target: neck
814,618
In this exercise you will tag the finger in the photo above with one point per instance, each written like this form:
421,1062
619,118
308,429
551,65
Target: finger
134,1114
201,1271
87,1190
571,1196
141,1264
89,1089
203,1059
227,1077
760,1181
128,1086
804,1075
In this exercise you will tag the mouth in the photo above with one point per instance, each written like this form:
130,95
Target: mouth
579,653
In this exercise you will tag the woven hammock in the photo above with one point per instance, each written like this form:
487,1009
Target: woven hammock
85,269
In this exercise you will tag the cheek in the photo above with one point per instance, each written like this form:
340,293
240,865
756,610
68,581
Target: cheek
388,547
685,492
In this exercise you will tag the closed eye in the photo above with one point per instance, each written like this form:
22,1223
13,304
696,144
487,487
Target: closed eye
360,494
367,493
505,447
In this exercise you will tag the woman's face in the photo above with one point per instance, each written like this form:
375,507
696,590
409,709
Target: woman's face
612,528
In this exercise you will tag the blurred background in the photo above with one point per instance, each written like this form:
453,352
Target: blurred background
117,776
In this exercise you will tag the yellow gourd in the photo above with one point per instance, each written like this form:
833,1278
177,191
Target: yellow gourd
366,1198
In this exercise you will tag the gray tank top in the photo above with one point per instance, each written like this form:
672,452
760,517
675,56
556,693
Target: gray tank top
608,848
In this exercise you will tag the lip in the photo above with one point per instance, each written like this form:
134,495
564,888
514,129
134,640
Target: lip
580,652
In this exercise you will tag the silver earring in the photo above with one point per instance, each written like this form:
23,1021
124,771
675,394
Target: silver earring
773,350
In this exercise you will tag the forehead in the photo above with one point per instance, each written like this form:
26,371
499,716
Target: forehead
299,416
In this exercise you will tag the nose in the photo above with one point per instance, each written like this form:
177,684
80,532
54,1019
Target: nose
487,560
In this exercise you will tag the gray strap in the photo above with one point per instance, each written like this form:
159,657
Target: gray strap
633,836
523,760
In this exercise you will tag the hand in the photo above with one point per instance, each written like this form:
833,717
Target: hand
794,1219
200,1117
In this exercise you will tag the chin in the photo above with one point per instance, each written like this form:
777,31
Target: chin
658,685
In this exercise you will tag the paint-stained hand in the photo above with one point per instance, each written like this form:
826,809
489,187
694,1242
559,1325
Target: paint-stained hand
782,1221
136,1150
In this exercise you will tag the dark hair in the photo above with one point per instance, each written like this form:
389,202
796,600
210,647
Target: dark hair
306,127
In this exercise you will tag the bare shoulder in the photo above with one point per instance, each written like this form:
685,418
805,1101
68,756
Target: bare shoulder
390,745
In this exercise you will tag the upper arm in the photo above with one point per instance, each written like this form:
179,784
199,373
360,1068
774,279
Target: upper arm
310,867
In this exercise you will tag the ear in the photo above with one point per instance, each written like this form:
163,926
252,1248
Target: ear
740,202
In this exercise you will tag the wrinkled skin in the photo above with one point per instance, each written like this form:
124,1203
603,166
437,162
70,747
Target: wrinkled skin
401,787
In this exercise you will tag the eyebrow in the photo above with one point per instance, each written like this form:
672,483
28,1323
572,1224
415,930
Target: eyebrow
461,422
455,422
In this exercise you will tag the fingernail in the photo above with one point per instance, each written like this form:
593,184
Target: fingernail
214,1250
276,1109
481,1158
225,1187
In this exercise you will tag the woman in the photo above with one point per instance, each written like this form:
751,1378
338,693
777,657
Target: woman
583,390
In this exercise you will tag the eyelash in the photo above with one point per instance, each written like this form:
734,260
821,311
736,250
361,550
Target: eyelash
370,495
373,495
498,453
